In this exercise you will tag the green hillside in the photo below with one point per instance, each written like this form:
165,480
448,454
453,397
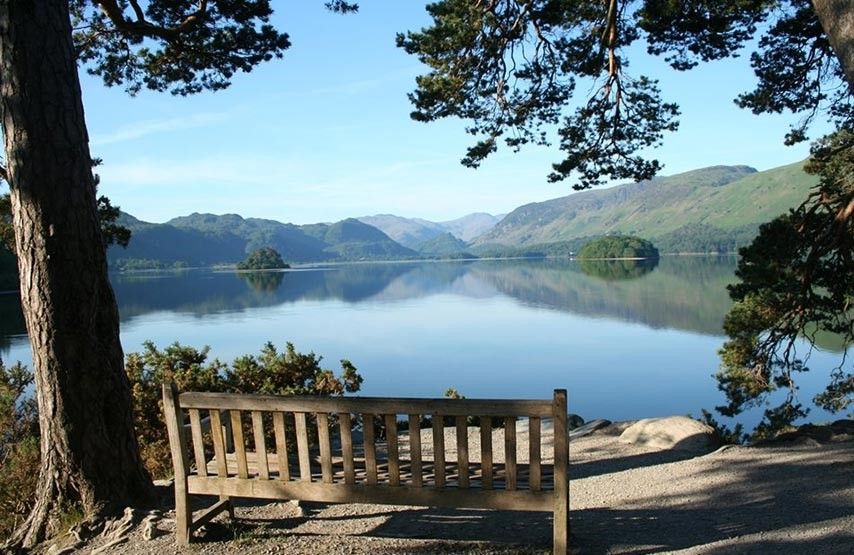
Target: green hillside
721,203
443,245
209,239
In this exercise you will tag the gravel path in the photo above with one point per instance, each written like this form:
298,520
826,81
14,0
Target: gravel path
792,499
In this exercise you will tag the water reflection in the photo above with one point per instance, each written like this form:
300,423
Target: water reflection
263,281
682,293
685,293
610,270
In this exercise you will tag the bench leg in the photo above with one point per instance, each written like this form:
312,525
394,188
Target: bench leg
561,534
183,518
230,506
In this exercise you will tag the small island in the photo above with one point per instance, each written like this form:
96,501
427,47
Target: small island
618,247
266,258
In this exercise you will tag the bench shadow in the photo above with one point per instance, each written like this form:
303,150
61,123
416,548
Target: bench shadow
768,501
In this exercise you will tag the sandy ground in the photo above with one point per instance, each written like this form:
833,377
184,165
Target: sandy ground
791,498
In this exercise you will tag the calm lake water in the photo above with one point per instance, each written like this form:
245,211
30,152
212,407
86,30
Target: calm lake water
627,341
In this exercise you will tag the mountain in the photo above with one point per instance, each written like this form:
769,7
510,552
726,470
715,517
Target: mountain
470,226
209,239
443,245
413,232
409,232
720,206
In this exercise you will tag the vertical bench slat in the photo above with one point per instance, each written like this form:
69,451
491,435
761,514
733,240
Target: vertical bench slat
325,447
198,443
370,448
393,452
561,491
510,453
486,452
438,450
302,447
281,445
415,449
218,444
239,444
178,446
260,444
346,424
462,452
535,474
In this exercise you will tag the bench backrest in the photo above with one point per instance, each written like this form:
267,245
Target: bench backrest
264,428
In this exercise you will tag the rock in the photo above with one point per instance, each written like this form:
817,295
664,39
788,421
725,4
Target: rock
588,428
674,432
574,421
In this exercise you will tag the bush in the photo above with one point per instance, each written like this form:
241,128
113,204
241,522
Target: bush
270,373
263,259
19,447
618,246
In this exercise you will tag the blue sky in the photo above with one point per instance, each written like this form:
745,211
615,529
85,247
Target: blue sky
325,134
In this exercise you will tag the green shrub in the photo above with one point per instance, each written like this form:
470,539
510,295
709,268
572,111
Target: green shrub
618,246
270,372
19,447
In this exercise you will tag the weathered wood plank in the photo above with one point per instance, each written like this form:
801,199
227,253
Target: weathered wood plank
561,465
462,452
198,442
438,450
415,450
393,453
178,446
346,424
510,453
523,500
281,445
325,447
211,512
260,444
486,452
370,448
239,443
374,405
218,443
302,447
534,450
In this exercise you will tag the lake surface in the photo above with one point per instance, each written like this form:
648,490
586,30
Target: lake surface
627,341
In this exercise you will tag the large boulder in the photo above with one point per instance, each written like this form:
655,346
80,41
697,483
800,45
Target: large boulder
674,432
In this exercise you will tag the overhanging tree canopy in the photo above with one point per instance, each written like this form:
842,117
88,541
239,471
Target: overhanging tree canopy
539,71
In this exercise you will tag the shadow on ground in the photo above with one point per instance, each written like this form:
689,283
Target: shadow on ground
773,507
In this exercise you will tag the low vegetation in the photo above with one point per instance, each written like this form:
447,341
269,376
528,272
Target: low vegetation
270,372
618,246
266,258
19,447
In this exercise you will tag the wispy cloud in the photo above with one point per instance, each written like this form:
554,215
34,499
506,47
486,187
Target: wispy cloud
141,129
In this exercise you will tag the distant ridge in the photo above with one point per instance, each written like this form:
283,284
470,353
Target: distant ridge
414,232
210,239
713,208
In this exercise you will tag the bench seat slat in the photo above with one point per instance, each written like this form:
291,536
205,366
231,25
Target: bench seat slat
374,405
396,495
405,471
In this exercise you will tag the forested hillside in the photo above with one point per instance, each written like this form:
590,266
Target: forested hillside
711,209
208,239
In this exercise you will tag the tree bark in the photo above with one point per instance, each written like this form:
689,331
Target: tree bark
89,455
837,19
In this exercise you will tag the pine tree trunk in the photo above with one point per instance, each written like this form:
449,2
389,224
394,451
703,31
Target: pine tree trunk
837,19
89,455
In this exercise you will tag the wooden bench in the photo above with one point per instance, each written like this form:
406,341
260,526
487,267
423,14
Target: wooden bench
342,467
